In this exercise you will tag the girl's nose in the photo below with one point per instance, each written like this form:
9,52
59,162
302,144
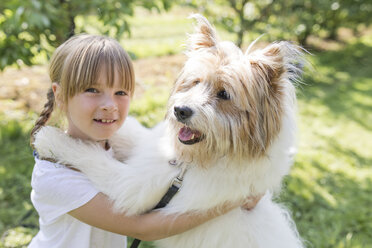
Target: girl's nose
110,108
109,104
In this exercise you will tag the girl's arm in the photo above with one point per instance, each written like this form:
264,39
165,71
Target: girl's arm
150,226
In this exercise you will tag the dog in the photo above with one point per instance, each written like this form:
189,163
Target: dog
231,121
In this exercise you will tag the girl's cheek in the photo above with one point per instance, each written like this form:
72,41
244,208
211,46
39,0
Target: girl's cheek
125,101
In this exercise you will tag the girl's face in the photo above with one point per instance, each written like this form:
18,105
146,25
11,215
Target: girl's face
98,112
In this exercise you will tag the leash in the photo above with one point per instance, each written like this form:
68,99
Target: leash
172,191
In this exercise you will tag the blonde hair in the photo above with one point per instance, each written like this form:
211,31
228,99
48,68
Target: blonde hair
76,66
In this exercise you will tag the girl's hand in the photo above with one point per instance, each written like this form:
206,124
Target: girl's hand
251,202
248,204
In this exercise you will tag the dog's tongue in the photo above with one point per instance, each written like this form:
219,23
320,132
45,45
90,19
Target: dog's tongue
187,133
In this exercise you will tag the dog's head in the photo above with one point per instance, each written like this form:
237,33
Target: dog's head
229,103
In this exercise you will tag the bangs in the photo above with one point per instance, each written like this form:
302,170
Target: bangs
116,64
83,66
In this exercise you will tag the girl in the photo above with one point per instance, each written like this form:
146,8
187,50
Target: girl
92,84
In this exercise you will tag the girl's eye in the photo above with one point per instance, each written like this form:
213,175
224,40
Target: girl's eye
121,93
223,95
91,90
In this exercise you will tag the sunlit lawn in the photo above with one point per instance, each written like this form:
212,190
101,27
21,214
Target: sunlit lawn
329,190
330,187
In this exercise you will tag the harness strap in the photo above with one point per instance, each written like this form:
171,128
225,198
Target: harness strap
172,190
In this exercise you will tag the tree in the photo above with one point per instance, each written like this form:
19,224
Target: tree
235,16
288,19
33,26
320,17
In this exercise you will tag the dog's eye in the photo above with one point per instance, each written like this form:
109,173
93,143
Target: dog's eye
196,82
223,95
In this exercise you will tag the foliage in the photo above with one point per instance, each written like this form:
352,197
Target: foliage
28,28
321,17
298,18
236,16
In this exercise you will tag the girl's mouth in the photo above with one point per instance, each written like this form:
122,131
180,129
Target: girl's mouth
104,121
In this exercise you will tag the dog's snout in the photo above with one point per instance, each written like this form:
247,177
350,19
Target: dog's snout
183,113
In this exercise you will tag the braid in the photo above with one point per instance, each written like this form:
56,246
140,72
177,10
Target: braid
44,115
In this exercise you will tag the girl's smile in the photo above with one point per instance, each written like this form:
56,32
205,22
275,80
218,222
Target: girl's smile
104,121
99,111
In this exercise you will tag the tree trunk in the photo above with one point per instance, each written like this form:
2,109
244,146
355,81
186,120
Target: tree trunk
72,26
303,38
239,10
239,40
71,18
332,35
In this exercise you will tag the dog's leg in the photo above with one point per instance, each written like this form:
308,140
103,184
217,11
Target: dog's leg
134,188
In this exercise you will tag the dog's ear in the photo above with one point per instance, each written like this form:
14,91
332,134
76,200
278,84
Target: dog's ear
204,36
272,69
277,59
267,64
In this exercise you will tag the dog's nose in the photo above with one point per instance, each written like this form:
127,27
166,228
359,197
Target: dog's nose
183,113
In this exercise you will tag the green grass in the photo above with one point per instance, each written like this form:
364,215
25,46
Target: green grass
150,108
330,187
18,219
329,190
160,35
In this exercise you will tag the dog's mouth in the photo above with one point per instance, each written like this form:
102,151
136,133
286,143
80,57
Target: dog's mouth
188,136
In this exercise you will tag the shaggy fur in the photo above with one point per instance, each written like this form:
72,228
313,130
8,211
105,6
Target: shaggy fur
243,136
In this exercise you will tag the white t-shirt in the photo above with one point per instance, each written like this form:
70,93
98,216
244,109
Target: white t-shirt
56,190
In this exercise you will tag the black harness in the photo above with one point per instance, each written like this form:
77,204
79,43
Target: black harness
172,190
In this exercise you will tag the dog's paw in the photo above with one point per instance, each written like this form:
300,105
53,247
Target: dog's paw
48,141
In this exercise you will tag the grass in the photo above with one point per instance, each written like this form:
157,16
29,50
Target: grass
330,186
16,165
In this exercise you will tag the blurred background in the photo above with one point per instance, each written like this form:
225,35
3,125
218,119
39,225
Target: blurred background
329,190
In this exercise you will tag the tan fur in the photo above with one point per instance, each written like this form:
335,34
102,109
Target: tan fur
251,119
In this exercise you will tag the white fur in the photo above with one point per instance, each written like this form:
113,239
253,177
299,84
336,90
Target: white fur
136,186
